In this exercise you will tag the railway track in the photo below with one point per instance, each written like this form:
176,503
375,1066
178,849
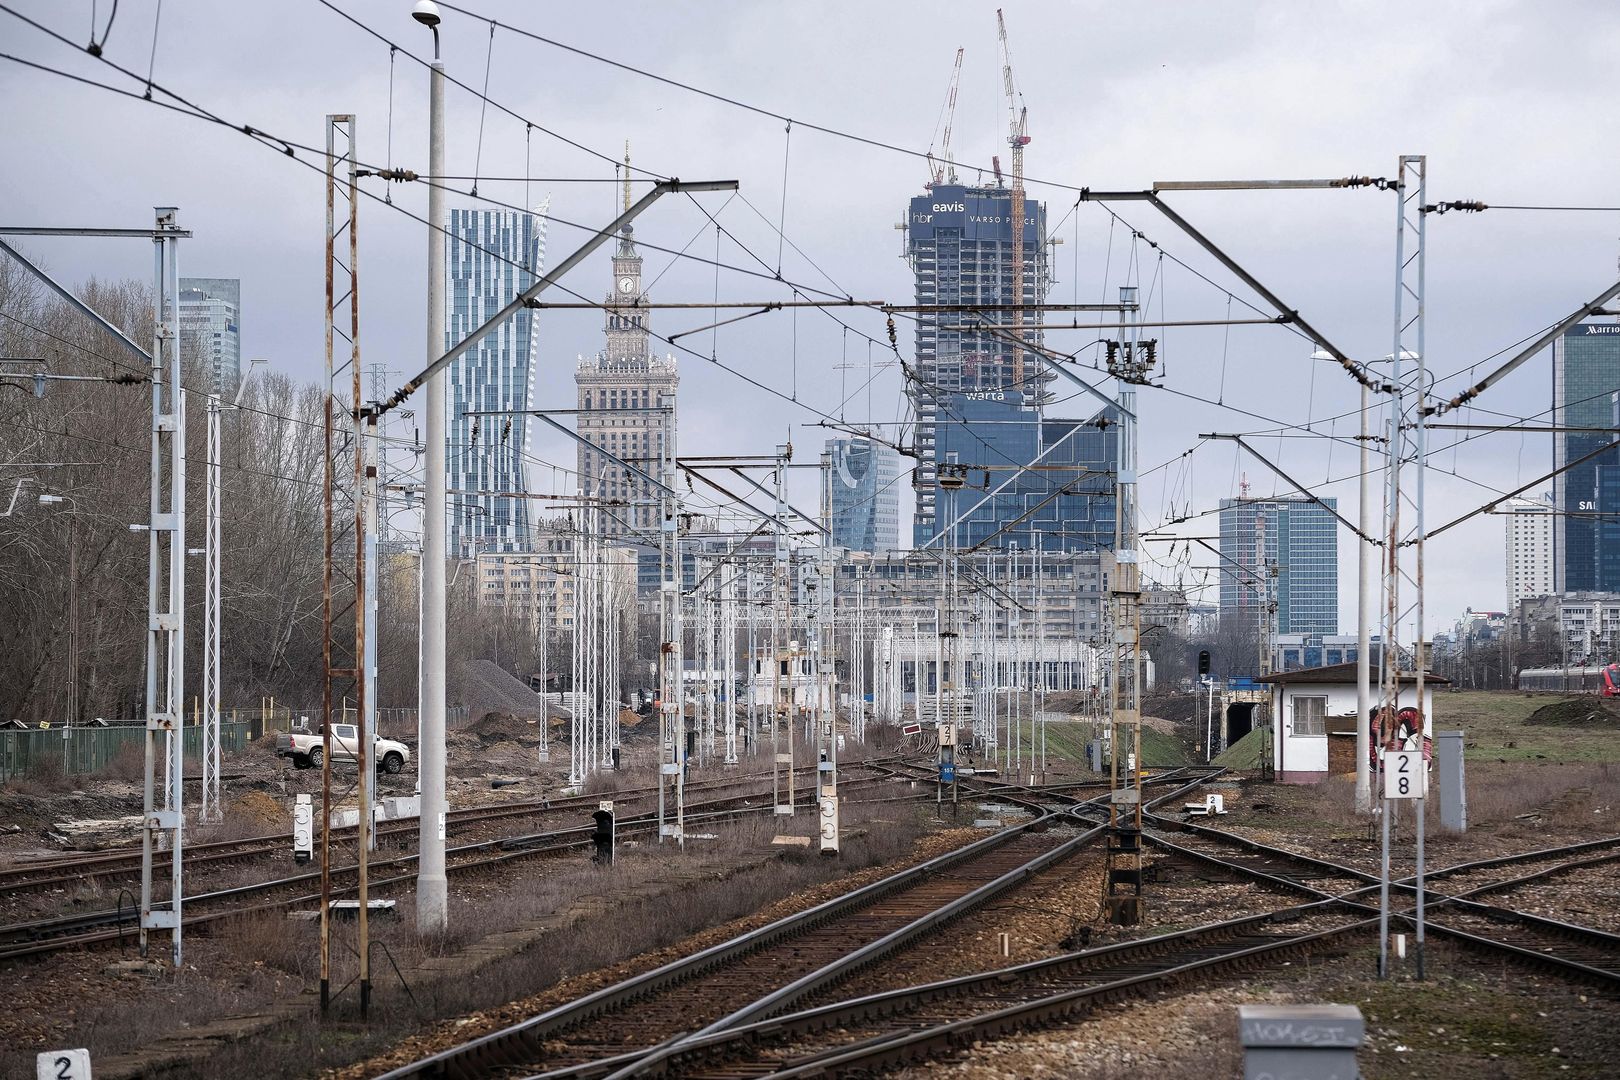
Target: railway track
1574,951
43,936
770,970
888,1029
111,865
881,1030
892,1027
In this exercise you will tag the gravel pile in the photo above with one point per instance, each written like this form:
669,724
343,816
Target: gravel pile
488,688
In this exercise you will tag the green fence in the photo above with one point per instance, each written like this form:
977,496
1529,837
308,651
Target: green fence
89,749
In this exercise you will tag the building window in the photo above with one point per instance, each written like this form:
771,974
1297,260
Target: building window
1310,716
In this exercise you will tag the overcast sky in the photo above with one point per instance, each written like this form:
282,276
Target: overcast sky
1511,102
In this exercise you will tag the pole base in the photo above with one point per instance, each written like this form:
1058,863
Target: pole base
1124,910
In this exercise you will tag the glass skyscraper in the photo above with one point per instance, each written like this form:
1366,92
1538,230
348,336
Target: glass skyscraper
1586,526
211,322
863,495
1065,503
1301,539
960,245
493,255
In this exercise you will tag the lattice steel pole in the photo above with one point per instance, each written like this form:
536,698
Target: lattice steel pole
781,651
210,808
166,623
343,575
1406,439
672,713
728,646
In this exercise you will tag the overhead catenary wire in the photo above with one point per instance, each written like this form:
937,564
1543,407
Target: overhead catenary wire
287,148
1229,295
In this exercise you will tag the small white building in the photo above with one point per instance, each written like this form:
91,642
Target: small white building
1313,715
792,674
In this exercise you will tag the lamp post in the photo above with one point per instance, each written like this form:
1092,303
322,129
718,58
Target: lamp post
73,603
210,807
432,887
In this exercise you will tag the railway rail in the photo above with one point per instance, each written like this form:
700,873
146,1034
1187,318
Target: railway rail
641,1018
890,1028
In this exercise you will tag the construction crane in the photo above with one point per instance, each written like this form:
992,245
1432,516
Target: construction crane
940,169
1017,139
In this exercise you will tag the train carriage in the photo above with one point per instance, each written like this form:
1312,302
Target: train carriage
1603,680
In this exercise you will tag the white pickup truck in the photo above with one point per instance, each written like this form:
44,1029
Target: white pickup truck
306,749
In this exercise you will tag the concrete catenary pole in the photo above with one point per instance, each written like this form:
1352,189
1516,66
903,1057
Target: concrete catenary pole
432,902
1364,614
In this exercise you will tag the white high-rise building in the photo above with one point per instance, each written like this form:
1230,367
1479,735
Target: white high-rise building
1531,552
862,495
492,256
211,318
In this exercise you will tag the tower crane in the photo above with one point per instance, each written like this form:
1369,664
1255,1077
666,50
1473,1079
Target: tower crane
1017,139
940,169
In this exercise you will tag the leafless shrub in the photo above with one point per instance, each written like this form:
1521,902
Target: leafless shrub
128,764
45,777
271,939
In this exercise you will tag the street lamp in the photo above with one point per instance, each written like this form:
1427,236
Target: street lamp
432,885
211,808
73,602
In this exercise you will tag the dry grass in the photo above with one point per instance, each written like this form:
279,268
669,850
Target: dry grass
46,777
1573,796
1568,797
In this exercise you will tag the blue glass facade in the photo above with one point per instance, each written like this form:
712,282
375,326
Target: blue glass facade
1586,377
492,256
1066,503
863,495
1301,539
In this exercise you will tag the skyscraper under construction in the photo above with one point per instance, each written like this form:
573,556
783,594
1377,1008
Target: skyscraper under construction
960,243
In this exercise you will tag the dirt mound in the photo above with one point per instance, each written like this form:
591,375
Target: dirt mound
496,727
1159,749
1587,712
486,688
258,807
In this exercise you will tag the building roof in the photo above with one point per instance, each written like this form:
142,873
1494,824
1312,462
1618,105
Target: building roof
1344,673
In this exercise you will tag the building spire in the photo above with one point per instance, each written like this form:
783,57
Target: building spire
627,174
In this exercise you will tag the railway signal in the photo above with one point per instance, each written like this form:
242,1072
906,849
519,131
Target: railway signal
303,830
603,837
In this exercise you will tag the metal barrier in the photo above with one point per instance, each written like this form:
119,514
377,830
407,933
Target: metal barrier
90,749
